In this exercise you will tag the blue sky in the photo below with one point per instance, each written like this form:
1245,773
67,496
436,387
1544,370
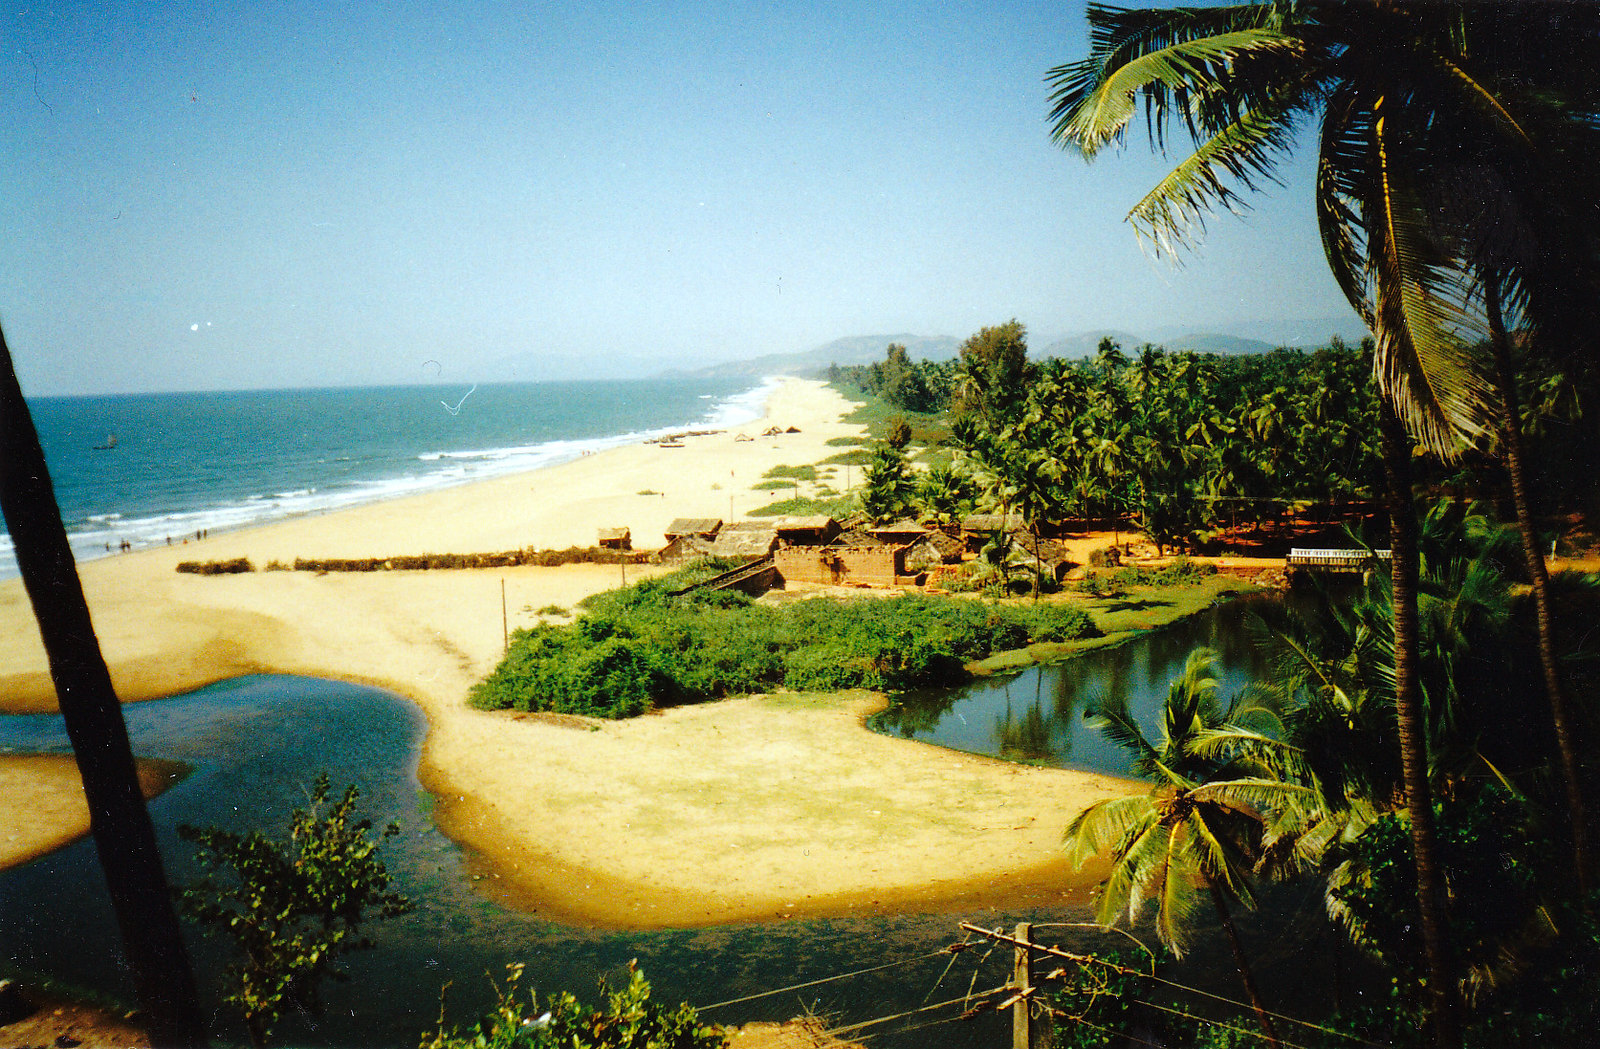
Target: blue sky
256,195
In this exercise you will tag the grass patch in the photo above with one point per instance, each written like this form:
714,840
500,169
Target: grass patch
846,442
858,457
806,507
1145,607
877,417
647,491
798,473
772,484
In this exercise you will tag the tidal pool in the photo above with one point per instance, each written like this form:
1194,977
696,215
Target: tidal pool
1037,715
257,743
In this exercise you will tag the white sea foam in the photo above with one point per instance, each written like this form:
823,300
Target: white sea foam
100,534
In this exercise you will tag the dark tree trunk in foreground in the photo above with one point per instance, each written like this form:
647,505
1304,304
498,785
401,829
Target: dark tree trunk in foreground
1444,1005
123,834
1262,1016
1533,554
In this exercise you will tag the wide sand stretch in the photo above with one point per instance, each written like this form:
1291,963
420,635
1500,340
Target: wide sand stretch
744,809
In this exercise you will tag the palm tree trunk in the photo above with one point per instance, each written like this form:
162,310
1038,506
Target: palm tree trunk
1533,555
1262,1016
119,822
1444,1008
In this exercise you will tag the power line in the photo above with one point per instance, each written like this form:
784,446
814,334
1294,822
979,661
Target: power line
1089,959
954,949
838,1032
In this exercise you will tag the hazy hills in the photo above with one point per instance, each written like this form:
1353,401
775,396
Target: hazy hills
1258,337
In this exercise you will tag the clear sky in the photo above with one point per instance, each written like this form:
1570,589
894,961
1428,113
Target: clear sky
239,195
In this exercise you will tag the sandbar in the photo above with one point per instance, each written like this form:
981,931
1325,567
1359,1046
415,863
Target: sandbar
745,809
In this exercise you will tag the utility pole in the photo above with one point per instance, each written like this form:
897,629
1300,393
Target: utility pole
505,621
1022,980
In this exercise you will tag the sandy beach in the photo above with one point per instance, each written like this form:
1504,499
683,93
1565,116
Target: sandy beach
744,809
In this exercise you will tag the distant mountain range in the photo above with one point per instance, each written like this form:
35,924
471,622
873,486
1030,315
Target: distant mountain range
865,349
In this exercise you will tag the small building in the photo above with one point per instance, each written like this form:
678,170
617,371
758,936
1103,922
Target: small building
818,530
976,529
934,548
744,539
616,539
1054,558
874,565
699,527
899,532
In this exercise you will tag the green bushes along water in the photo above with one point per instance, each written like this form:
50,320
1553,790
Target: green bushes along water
639,647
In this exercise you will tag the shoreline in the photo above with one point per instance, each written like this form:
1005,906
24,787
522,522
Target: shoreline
740,810
741,408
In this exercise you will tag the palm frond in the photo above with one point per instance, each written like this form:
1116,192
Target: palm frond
1171,217
1424,330
1128,884
1341,163
1110,714
1094,99
1105,824
1176,892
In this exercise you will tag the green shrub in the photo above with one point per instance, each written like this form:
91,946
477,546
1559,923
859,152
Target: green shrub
804,507
629,1019
796,473
293,906
640,647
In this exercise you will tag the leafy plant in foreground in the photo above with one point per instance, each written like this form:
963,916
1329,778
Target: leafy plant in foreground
291,908
627,1020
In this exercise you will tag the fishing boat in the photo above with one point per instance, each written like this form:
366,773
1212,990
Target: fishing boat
110,445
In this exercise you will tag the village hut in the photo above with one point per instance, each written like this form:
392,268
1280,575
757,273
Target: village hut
817,530
700,527
934,548
976,529
616,539
1053,558
872,564
745,539
905,530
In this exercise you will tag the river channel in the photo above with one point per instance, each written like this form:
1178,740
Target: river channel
254,744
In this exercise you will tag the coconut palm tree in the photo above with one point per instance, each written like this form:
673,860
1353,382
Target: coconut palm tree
1438,122
119,822
1201,825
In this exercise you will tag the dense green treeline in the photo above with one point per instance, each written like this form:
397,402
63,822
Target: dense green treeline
1180,444
640,647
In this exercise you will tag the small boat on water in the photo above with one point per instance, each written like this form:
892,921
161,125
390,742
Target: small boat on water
110,445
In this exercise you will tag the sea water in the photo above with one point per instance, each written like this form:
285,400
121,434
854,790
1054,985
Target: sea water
146,468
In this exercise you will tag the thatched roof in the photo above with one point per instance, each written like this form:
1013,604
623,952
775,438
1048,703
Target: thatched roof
702,526
904,527
992,523
615,534
857,536
950,547
745,539
796,523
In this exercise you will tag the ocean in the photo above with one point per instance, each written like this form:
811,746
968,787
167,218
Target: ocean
180,463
